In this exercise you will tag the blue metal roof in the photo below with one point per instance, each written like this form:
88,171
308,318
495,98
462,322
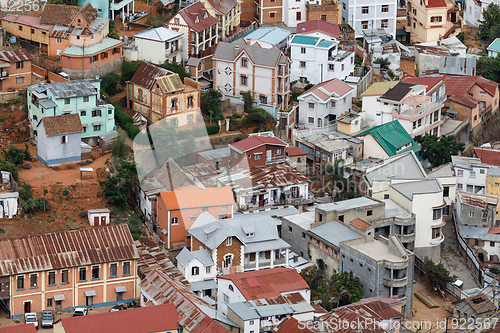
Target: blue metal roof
269,35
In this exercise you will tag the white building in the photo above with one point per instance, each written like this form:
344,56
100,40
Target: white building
473,11
318,59
98,217
199,269
243,66
324,103
376,14
159,45
392,51
294,12
471,174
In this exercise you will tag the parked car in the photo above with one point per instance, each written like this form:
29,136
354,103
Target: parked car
64,75
458,283
31,318
47,318
80,312
117,307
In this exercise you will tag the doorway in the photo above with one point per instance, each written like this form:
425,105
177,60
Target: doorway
119,297
90,301
27,307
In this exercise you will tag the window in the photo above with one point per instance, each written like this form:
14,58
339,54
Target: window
311,106
229,241
64,139
369,212
20,79
364,24
175,220
302,64
59,40
20,28
482,171
333,104
385,9
49,302
208,269
323,17
85,99
83,274
460,172
290,229
190,100
341,218
95,272
436,233
277,151
459,186
386,196
263,99
304,235
20,282
244,62
436,213
52,278
174,104
176,21
436,19
384,23
471,214
140,94
226,298
243,80
298,16
126,268
104,55
310,120
195,270
97,128
492,244
364,10
33,282
343,66
83,113
446,191
96,113
65,276
331,67
113,269
472,174
482,93
66,101
272,14
303,50
230,288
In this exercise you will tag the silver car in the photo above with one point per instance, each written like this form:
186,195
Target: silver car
31,318
47,318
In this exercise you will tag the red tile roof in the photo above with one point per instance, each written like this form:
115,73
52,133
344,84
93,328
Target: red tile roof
291,325
295,151
267,283
192,196
156,318
31,21
257,141
318,26
331,86
488,156
429,81
223,6
460,85
435,3
466,100
494,230
197,17
360,224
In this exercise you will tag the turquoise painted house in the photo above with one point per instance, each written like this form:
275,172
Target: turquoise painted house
80,97
494,48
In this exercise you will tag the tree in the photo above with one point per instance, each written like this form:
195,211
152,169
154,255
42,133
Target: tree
109,81
438,150
383,62
489,68
120,149
176,68
491,18
247,101
128,69
436,275
120,188
16,155
210,103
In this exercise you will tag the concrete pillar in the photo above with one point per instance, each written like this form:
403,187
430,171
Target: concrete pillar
286,257
220,126
227,124
273,253
256,260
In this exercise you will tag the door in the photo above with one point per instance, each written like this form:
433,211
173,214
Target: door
58,304
27,307
269,155
119,297
103,221
90,300
96,221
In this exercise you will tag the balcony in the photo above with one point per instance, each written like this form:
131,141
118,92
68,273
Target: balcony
438,240
395,282
4,75
404,221
275,160
395,265
414,111
250,265
172,50
407,238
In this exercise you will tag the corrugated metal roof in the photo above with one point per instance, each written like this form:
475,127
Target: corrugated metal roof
147,73
160,34
457,66
67,89
15,55
105,44
170,83
66,249
334,232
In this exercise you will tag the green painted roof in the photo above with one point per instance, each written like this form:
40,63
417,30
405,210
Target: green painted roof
325,43
400,32
391,136
104,44
495,45
306,40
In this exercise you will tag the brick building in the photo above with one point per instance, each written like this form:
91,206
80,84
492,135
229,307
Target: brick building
15,68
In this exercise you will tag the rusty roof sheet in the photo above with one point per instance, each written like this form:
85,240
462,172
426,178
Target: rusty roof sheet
435,50
170,83
15,55
65,14
165,289
58,250
206,174
275,175
146,74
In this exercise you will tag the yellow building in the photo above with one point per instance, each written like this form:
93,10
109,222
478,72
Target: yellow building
493,184
227,12
428,20
28,28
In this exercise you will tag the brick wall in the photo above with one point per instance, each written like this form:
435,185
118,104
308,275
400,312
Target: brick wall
234,248
408,65
331,12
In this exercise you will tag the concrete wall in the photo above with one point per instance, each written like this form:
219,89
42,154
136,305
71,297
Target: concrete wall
51,150
98,70
296,237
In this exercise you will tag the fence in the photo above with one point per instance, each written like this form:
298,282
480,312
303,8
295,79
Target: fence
7,96
470,257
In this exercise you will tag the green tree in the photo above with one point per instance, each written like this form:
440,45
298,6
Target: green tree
16,155
120,188
109,81
210,103
25,192
491,18
436,275
247,101
383,62
120,149
489,68
112,30
36,204
176,68
438,150
128,70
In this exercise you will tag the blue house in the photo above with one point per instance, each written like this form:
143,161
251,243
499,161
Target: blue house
59,139
494,48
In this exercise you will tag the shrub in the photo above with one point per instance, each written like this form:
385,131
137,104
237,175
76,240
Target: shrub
25,192
125,121
213,129
65,192
82,213
16,155
175,67
109,82
383,62
36,204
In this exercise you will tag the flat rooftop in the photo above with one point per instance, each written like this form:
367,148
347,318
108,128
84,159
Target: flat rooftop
348,204
377,250
392,209
303,220
335,232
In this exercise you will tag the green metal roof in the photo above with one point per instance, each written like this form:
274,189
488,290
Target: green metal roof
391,136
104,44
495,45
400,32
325,43
306,40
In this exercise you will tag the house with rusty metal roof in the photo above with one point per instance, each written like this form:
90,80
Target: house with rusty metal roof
159,94
479,307
63,270
15,69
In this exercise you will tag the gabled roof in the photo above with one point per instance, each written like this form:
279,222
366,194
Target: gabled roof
64,14
186,256
58,250
435,3
325,90
32,21
430,81
480,303
257,141
195,197
494,46
160,34
460,85
170,83
295,151
421,186
162,317
318,26
15,55
266,283
223,6
257,54
147,73
62,124
360,224
488,156
67,89
391,136
379,88
169,175
466,100
389,169
197,17
457,65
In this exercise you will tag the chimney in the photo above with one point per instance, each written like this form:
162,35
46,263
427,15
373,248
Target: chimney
236,50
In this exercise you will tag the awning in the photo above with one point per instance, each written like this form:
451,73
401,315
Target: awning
120,289
59,298
97,123
90,293
203,285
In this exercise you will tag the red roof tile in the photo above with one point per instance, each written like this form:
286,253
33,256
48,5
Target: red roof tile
223,6
139,320
331,86
488,156
197,17
460,85
319,26
429,81
291,325
295,151
360,224
494,230
19,329
257,141
435,3
466,100
267,283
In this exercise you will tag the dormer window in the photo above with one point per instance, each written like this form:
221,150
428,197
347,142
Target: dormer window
196,20
205,16
250,234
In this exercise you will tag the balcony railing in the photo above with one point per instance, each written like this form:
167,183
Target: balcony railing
275,160
4,75
415,111
395,265
395,282
250,265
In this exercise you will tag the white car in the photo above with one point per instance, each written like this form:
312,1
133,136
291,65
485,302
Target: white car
458,283
80,312
31,318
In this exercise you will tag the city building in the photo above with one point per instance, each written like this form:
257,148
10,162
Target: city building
159,45
219,158
473,11
318,59
199,270
179,209
350,123
318,28
29,29
70,274
324,103
81,97
268,36
494,48
383,266
477,307
243,66
256,150
373,15
428,55
298,158
15,70
471,174
329,11
227,12
392,51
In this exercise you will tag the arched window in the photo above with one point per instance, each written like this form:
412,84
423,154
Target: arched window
175,221
228,260
231,288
